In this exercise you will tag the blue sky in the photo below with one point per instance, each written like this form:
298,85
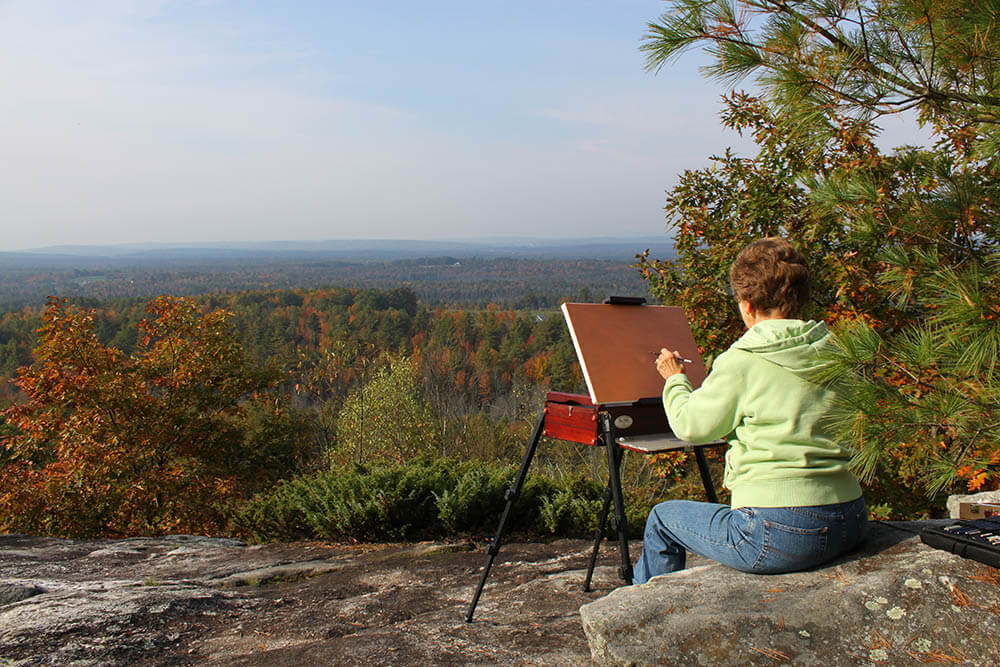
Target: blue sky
213,120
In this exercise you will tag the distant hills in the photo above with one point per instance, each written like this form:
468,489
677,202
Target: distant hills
613,248
514,272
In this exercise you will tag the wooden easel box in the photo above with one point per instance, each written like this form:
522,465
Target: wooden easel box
970,511
574,417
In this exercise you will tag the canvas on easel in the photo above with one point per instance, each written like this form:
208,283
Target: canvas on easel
617,347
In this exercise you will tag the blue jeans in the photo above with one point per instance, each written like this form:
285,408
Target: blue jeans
766,540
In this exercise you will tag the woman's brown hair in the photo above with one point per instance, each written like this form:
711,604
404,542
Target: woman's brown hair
772,275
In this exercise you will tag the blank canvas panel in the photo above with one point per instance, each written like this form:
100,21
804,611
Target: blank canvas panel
617,346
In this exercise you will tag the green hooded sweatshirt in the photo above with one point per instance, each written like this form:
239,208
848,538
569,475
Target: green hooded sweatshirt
781,451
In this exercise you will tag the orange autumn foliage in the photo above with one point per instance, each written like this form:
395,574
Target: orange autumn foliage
163,440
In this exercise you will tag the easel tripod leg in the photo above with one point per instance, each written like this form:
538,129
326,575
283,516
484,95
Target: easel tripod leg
615,481
510,495
706,475
602,520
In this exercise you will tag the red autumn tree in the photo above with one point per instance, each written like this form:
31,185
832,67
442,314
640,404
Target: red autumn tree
166,439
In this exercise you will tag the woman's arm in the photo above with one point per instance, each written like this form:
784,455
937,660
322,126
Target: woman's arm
713,410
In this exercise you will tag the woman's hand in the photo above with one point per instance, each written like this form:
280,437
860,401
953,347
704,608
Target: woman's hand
669,363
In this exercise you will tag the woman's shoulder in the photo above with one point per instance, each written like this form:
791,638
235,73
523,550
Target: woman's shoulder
733,359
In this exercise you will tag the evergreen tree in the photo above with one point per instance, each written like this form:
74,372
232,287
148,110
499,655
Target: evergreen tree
905,245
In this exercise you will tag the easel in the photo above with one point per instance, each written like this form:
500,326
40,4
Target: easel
639,426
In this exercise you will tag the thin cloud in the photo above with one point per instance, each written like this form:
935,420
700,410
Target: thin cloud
127,121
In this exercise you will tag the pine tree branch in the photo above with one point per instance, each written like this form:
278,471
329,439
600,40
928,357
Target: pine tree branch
934,43
918,66
927,92
846,48
968,445
864,32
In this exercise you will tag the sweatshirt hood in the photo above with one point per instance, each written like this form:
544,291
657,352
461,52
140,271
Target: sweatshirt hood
797,346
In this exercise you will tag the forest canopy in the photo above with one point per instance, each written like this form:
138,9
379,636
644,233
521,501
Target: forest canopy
169,415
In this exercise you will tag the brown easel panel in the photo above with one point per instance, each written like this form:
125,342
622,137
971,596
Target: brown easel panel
617,347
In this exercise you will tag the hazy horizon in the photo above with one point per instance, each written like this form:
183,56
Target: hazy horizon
478,240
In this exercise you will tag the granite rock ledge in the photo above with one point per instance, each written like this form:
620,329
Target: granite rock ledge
896,601
187,600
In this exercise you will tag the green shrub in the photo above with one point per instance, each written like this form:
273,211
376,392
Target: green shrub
423,499
276,514
474,499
